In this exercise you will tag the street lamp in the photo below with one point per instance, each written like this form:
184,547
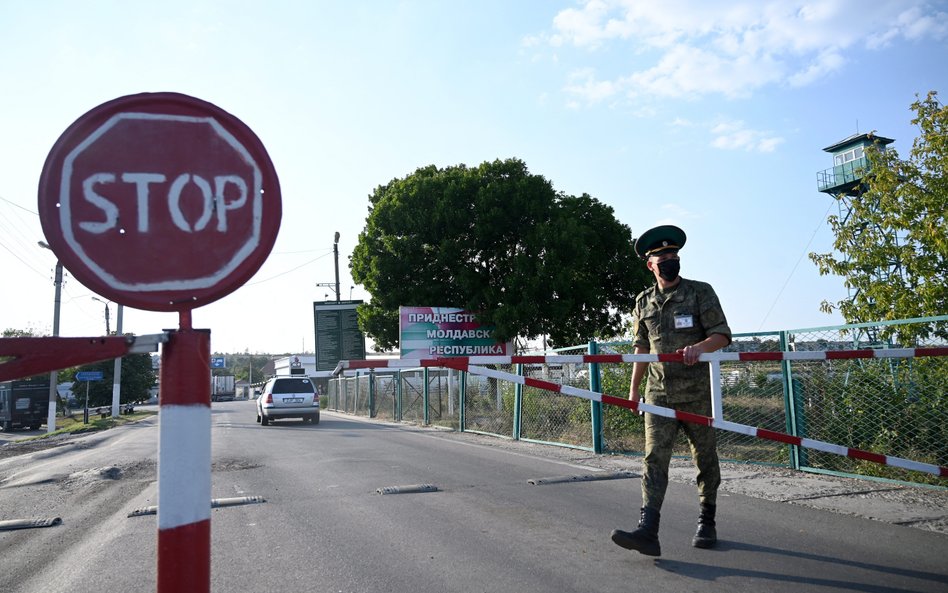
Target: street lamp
335,252
106,304
330,285
54,375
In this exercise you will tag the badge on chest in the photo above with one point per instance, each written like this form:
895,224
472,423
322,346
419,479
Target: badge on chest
684,321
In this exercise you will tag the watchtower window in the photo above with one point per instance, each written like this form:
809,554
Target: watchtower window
849,155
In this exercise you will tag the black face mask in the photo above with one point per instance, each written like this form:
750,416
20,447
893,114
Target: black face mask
668,269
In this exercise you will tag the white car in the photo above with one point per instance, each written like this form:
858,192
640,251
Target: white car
288,397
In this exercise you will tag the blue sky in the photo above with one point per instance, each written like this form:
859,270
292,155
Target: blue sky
709,115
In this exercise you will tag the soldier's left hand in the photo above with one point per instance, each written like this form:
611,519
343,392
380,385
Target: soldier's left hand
691,353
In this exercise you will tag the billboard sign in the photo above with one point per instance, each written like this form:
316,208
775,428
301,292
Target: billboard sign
428,332
337,333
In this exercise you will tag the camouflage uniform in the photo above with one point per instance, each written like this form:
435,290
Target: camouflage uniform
666,322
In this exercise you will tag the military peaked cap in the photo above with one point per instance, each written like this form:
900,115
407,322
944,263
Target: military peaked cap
661,238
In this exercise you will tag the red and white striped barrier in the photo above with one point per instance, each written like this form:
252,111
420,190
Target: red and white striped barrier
472,365
617,358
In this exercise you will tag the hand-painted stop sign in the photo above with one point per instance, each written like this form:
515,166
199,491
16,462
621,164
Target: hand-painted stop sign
160,201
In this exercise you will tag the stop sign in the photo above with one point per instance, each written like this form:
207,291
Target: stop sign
160,201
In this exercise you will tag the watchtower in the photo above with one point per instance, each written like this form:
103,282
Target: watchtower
849,165
845,182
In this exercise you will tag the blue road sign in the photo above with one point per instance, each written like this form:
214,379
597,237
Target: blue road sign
217,362
89,376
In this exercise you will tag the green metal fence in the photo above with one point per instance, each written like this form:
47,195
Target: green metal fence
895,407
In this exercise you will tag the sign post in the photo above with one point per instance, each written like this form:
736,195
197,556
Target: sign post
87,376
130,192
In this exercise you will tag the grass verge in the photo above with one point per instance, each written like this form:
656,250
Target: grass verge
69,425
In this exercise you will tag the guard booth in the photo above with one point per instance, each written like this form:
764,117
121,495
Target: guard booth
24,403
849,164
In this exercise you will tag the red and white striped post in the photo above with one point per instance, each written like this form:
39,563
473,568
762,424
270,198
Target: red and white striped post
184,462
151,265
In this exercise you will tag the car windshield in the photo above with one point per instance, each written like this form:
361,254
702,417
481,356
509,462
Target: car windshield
293,386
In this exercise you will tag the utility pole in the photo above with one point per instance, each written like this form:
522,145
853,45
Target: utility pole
108,330
335,252
117,370
54,375
330,285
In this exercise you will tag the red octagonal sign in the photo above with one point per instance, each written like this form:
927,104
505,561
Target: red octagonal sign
160,201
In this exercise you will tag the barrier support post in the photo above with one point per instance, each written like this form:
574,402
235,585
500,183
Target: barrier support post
518,405
184,461
595,408
717,406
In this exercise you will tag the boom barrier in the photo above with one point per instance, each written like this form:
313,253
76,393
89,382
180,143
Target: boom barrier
476,366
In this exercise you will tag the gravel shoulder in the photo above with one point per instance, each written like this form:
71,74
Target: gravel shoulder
917,507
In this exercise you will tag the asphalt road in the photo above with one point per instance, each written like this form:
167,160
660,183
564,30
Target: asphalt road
324,527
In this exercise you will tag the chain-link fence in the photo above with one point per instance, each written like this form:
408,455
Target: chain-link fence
895,406
752,394
399,396
891,406
552,417
386,389
489,403
444,396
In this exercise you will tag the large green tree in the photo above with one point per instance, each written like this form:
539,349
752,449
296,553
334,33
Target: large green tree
499,241
892,249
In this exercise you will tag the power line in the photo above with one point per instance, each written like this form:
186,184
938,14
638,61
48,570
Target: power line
14,238
787,282
287,272
304,251
12,203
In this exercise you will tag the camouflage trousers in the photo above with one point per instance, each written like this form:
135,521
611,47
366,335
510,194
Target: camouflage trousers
660,434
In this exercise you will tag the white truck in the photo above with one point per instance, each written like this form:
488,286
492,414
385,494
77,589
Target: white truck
222,388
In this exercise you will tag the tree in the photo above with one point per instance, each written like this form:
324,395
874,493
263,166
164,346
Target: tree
11,332
137,378
500,242
897,224
238,365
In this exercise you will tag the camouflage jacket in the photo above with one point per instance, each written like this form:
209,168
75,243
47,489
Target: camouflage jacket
666,322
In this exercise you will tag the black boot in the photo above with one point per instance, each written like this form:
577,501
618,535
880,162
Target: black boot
645,538
706,536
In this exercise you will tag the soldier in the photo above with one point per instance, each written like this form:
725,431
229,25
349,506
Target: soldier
684,316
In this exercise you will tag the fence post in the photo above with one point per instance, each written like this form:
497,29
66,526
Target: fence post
371,394
794,413
518,406
357,393
426,397
397,412
462,394
595,408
